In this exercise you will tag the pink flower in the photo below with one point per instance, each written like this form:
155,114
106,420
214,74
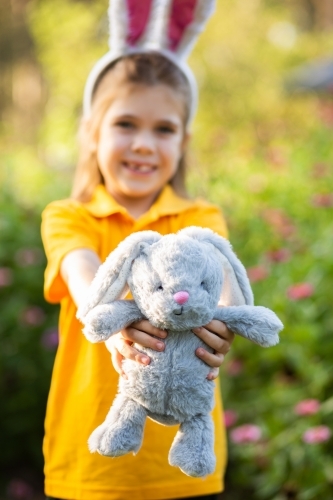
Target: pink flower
248,433
319,170
276,157
307,407
28,256
280,222
318,434
6,276
19,490
234,367
300,291
50,339
324,200
230,418
325,110
279,255
33,316
257,273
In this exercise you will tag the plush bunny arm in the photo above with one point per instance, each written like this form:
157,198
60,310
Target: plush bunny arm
106,319
255,323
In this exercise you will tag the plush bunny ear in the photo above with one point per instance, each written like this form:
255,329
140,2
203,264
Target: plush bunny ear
236,289
111,277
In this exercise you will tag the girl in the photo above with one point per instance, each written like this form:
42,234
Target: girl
130,177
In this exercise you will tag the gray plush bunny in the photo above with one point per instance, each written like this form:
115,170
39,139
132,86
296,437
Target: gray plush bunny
177,282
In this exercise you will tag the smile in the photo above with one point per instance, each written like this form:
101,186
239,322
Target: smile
139,168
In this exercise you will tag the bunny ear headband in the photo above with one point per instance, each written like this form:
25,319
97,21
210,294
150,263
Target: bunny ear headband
169,27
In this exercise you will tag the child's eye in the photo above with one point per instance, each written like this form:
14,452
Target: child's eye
125,124
165,130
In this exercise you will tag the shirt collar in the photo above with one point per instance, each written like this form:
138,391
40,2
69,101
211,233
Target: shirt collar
168,202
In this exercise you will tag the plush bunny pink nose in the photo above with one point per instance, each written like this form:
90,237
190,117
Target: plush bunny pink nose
181,297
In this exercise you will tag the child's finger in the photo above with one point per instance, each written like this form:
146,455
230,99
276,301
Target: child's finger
146,327
117,359
127,351
213,374
220,329
145,340
214,360
212,340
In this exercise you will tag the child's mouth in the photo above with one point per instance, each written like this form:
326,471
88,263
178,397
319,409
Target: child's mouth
139,168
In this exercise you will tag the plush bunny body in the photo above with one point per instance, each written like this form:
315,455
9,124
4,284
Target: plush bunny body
177,282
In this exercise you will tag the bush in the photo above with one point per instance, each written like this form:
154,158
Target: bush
28,336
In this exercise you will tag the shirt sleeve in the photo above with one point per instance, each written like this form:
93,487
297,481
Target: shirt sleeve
66,226
205,215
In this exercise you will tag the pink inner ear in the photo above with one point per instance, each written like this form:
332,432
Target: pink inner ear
138,13
182,14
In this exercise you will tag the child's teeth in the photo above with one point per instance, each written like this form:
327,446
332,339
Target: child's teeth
144,168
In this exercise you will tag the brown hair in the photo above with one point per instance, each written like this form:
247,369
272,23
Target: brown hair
139,69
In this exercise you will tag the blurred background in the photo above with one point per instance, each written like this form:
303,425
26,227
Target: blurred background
261,149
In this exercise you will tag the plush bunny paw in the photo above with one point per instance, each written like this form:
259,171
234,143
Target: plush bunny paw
193,447
256,323
114,440
122,430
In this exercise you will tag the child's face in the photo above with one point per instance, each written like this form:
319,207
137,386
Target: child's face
141,140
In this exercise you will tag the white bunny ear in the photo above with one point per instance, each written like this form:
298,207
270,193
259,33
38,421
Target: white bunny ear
128,23
111,277
187,20
156,35
236,289
169,27
118,26
166,25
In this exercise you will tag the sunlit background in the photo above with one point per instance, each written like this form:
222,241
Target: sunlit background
261,149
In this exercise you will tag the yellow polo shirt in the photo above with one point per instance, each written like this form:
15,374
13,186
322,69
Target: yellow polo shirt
84,382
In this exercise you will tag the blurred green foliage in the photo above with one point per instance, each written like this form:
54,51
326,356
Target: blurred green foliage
28,332
266,158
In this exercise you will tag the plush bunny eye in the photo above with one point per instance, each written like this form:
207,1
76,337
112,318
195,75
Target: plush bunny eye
203,285
160,288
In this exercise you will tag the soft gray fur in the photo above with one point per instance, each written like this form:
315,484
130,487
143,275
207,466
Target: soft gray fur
173,388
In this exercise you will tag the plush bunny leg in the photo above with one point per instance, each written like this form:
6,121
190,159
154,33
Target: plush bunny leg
122,430
106,319
255,323
193,447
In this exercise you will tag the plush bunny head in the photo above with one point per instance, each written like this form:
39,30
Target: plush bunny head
175,283
176,280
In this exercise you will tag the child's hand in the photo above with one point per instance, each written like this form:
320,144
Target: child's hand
142,333
217,336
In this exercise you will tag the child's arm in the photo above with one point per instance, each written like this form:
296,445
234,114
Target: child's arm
78,268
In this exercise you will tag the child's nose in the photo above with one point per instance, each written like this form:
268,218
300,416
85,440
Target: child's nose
143,142
181,297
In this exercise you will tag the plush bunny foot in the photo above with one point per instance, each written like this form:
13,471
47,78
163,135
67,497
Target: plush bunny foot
193,447
122,430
